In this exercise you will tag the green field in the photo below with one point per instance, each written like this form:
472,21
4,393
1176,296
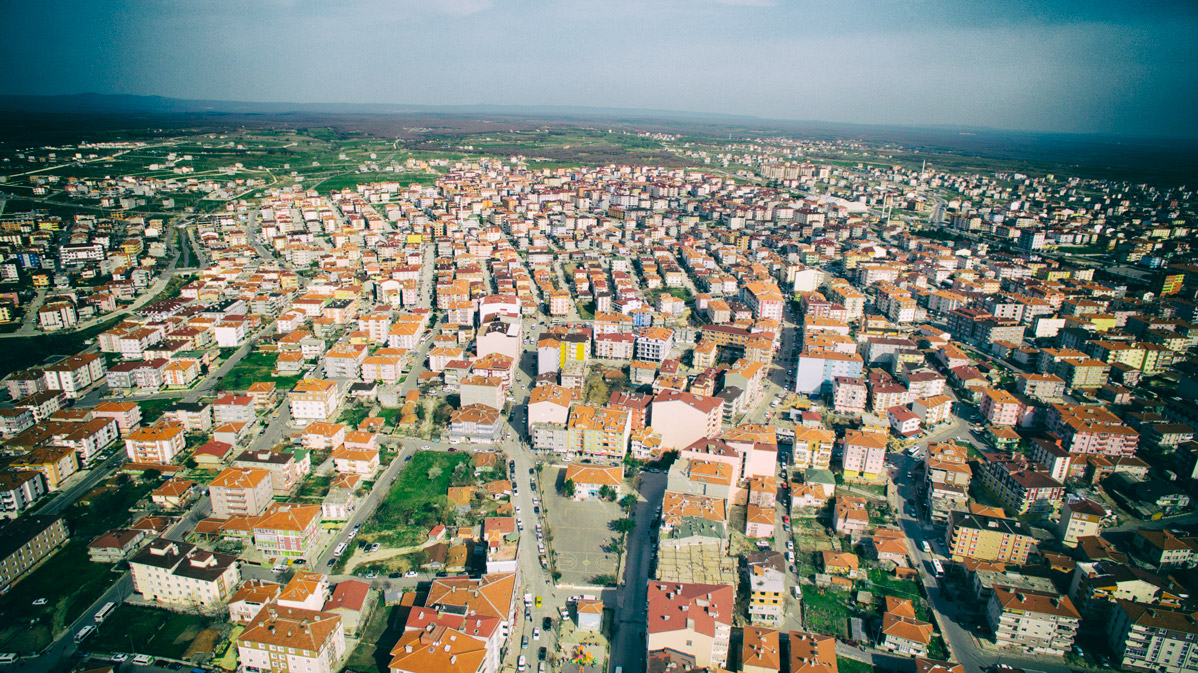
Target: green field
375,641
21,353
160,633
28,628
152,410
826,612
846,665
253,368
417,500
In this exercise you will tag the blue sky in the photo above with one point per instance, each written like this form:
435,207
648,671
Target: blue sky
1128,68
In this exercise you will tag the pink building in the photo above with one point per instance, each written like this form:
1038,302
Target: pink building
682,418
1000,407
864,455
849,395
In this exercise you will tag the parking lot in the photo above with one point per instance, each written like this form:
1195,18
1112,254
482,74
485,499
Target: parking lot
580,531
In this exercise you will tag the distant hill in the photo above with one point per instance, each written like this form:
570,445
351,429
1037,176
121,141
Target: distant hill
42,119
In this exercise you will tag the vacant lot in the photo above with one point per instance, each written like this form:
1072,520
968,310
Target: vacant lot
826,611
133,628
417,501
253,368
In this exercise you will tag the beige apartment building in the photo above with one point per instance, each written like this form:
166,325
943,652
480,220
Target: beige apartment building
285,640
314,400
1032,621
158,443
240,492
181,575
694,619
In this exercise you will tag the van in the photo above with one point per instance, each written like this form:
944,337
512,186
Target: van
339,550
794,591
521,663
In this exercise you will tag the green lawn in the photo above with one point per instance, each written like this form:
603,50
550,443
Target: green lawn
886,584
824,611
253,368
846,665
24,352
152,410
65,600
161,633
375,641
417,501
353,416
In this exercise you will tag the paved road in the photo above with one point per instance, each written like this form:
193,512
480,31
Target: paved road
95,475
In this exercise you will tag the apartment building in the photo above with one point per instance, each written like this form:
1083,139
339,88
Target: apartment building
1000,407
693,619
817,369
813,448
181,575
240,492
314,400
1032,621
74,375
157,443
598,432
1149,638
761,650
653,344
988,538
682,418
1091,429
290,640
1081,518
864,456
850,395
24,542
288,531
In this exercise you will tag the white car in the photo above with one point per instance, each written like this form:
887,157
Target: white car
143,660
790,545
280,569
410,573
119,656
39,601
536,633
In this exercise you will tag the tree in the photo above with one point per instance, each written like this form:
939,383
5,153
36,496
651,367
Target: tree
566,490
151,475
434,472
623,526
628,503
607,492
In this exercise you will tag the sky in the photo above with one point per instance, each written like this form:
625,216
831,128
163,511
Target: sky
1097,66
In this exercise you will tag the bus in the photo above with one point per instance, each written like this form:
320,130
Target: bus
104,612
84,633
936,566
339,550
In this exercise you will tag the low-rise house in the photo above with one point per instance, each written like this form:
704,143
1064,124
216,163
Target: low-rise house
354,601
115,545
589,480
901,632
175,494
250,598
